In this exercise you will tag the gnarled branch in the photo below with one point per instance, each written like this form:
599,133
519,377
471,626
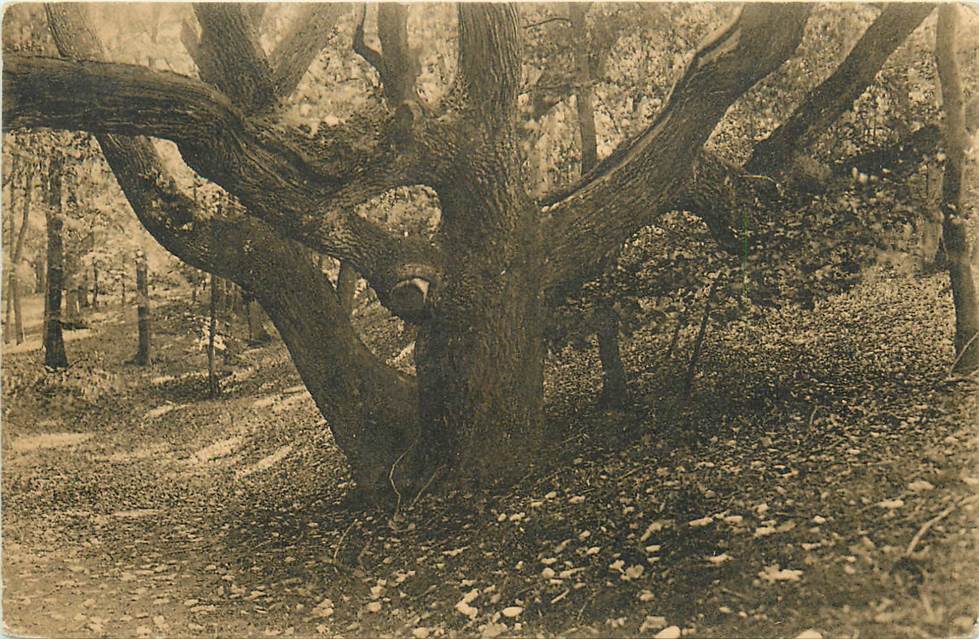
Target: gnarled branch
369,406
274,172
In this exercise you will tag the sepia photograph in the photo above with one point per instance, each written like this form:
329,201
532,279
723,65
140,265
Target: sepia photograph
484,319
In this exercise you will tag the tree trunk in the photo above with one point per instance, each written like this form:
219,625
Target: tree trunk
143,356
72,309
479,361
955,216
54,344
17,257
214,388
347,280
614,392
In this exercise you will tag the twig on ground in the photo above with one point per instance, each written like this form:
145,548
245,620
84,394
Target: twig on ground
934,520
336,552
425,487
965,349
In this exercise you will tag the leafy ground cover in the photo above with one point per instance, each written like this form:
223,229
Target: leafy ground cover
820,480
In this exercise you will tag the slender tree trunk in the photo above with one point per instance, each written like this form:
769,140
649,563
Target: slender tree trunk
257,333
95,286
83,289
614,392
143,356
122,282
214,388
347,280
71,318
8,293
699,342
955,216
54,344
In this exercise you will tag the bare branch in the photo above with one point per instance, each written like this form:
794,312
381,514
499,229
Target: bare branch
307,35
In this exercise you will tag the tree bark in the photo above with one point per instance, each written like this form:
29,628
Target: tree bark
54,344
143,355
17,257
955,217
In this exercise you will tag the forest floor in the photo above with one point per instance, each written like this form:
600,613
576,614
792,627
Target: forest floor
820,482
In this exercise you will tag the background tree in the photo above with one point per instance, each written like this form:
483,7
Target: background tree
54,344
955,218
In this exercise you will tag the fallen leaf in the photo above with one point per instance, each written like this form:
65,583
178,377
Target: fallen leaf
891,504
809,634
512,611
920,486
652,623
774,573
671,632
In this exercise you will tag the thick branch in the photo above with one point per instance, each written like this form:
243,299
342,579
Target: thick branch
625,193
118,98
231,57
307,35
837,93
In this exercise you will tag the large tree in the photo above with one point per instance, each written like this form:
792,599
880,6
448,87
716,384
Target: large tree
480,291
